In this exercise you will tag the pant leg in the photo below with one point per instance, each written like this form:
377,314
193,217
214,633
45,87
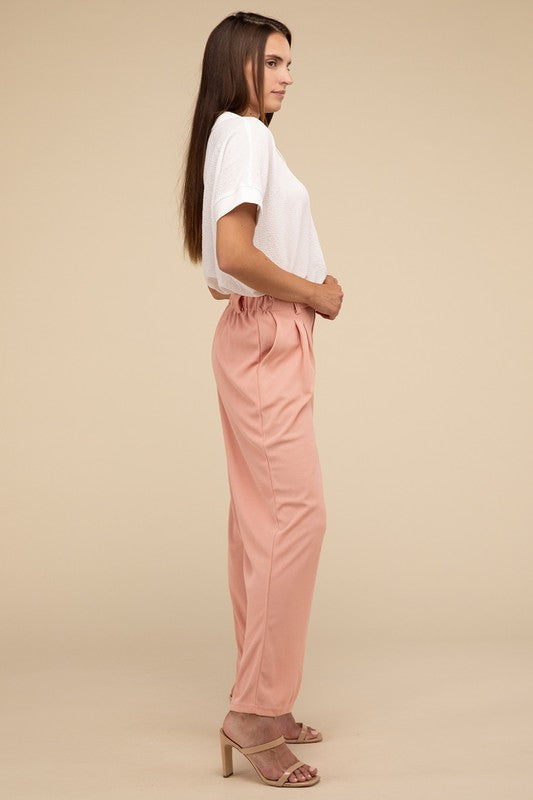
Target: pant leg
237,586
264,367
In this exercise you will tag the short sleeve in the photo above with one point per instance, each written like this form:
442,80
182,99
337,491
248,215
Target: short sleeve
242,171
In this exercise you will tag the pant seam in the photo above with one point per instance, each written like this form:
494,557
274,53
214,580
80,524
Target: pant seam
277,524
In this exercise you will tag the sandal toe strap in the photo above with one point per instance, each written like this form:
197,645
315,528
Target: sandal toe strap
285,777
303,733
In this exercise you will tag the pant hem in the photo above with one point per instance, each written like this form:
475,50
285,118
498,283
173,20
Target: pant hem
250,708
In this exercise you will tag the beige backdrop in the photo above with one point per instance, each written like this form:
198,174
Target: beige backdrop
411,125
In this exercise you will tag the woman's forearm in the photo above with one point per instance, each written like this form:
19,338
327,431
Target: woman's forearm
262,274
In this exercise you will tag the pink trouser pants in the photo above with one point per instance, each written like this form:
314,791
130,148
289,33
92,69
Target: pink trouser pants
264,367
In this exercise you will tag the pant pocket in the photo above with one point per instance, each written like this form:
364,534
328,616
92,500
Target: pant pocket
267,333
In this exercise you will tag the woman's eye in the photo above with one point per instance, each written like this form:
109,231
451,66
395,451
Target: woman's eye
273,62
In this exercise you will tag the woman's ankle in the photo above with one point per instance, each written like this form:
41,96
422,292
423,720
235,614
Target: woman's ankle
248,716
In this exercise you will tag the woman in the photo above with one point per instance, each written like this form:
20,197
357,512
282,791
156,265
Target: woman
248,219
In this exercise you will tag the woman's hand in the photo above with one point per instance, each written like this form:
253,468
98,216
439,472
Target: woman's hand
327,299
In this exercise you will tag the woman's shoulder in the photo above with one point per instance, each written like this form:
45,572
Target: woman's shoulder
228,123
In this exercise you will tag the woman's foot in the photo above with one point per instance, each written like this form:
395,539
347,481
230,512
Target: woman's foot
291,729
248,730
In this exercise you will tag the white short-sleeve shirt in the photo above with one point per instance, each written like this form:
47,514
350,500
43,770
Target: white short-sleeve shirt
243,165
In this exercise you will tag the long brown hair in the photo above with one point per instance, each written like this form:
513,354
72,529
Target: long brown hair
235,40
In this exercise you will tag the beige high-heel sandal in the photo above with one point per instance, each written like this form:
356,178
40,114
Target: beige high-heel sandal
226,745
301,736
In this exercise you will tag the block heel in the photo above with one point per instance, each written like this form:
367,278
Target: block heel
227,755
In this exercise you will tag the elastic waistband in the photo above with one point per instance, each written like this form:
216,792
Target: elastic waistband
242,303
